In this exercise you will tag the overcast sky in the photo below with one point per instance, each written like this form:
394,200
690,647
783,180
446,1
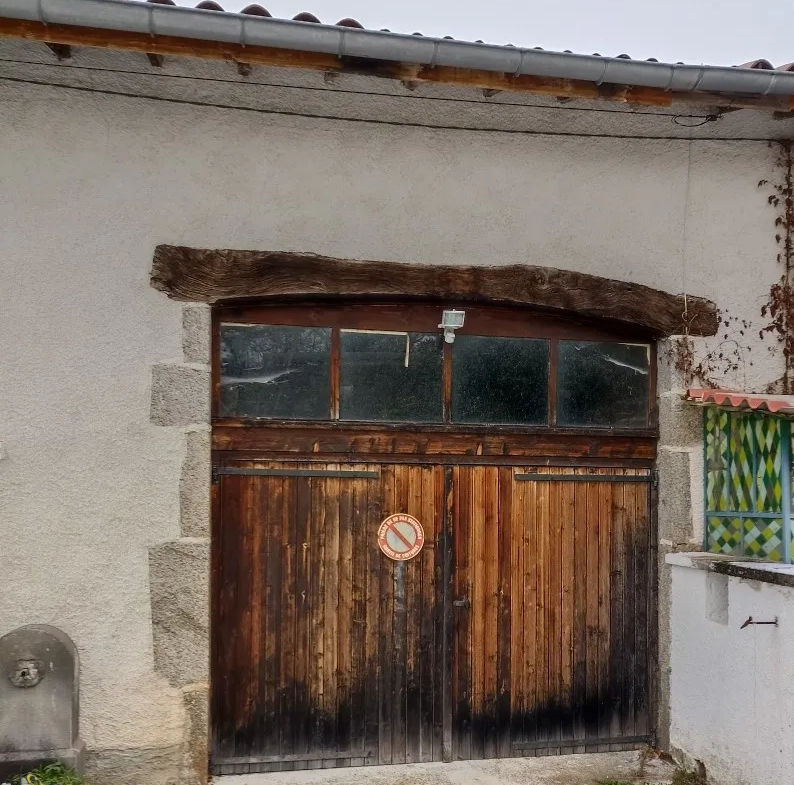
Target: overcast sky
721,32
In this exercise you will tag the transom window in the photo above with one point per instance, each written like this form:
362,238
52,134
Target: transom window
385,364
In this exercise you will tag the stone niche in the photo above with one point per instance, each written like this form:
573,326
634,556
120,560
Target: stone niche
39,708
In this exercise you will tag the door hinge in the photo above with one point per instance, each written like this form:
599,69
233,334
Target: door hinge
216,477
655,478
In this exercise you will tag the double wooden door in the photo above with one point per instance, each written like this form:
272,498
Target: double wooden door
524,626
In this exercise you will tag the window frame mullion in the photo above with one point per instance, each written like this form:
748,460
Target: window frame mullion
785,481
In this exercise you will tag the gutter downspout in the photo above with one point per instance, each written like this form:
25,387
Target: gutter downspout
248,30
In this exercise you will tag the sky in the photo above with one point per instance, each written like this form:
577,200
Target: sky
715,32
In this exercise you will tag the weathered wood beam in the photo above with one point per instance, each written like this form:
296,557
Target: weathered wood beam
226,275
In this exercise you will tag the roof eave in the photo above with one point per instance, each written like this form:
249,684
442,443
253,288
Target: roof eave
128,24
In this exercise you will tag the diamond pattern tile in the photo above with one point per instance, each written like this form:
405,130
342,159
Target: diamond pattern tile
769,488
717,440
763,538
724,535
742,460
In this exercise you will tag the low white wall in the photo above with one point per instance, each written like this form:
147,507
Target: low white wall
732,689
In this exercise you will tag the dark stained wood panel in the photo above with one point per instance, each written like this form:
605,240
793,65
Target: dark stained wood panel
553,654
326,651
223,275
419,444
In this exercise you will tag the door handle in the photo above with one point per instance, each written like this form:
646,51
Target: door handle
464,603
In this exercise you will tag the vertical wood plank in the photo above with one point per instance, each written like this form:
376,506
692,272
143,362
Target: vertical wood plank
591,705
478,607
629,607
462,619
288,620
553,612
642,548
445,672
617,673
358,653
386,652
516,525
580,613
273,496
541,609
331,628
604,581
504,521
530,577
413,626
400,629
345,615
302,669
430,510
568,578
373,562
319,504
490,522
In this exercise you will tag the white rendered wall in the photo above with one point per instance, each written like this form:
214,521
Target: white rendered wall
732,690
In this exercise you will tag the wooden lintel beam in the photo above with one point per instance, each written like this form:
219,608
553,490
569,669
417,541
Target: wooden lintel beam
227,275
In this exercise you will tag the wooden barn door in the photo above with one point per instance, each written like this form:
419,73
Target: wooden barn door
553,614
324,651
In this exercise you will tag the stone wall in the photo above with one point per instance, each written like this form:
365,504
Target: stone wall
179,569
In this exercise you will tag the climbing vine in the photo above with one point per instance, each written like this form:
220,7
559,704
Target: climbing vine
779,308
730,354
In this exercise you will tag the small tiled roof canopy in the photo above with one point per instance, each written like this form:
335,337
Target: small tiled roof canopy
742,401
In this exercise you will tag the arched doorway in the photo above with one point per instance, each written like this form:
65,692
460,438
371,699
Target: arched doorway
524,448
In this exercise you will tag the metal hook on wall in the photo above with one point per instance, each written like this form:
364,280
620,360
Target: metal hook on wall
750,621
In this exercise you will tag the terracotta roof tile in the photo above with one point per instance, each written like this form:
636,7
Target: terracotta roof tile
257,10
742,401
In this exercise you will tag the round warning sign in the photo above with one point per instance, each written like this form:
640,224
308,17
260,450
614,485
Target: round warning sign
401,536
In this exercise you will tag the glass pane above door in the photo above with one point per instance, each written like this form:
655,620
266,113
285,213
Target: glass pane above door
603,384
500,380
386,376
275,372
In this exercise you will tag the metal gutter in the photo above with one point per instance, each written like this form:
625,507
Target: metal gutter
247,30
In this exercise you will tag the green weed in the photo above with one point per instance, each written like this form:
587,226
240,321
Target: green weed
50,774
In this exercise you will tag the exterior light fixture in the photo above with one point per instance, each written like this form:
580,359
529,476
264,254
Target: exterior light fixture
451,321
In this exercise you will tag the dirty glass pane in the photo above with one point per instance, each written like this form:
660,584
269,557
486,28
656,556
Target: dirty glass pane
390,376
500,380
277,372
602,384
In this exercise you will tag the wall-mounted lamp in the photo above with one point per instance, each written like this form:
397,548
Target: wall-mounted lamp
451,321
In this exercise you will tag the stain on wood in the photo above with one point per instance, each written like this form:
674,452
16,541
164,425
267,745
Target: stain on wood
222,275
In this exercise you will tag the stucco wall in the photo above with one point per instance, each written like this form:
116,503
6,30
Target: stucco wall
91,183
732,689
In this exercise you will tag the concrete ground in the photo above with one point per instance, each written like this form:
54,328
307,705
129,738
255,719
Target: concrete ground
590,769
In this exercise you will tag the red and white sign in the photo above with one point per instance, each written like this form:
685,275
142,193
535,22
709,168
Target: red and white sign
401,536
